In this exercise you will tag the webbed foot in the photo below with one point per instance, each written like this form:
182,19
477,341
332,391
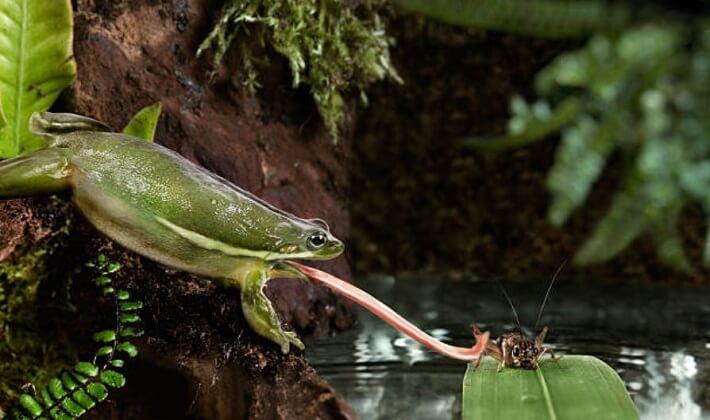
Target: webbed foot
260,314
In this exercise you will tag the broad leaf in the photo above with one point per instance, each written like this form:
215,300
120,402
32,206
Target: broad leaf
574,387
36,64
144,123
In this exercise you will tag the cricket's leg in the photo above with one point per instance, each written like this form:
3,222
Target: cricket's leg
45,171
260,314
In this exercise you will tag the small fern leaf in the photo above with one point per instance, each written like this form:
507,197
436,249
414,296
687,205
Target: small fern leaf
669,243
106,336
127,348
31,406
579,161
86,369
616,230
97,390
528,127
113,378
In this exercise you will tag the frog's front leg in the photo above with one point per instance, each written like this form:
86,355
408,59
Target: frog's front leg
259,312
45,171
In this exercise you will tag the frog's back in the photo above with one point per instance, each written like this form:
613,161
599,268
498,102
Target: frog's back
152,183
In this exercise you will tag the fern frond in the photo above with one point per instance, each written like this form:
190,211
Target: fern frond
646,95
75,391
580,159
541,18
529,124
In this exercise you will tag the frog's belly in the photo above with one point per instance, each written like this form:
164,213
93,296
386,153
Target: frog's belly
142,233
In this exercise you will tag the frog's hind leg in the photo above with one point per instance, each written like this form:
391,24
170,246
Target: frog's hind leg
45,171
260,314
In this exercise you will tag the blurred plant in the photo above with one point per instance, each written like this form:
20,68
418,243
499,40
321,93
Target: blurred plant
36,64
75,391
329,46
643,94
542,18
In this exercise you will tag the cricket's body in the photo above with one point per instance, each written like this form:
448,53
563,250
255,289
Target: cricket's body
516,349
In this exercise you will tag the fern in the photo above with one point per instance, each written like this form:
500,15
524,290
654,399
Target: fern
643,94
329,48
77,390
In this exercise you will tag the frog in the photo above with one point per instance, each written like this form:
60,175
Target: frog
158,204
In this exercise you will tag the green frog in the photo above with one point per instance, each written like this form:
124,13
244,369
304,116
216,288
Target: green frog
160,205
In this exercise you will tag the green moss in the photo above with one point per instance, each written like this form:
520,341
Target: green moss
27,353
329,46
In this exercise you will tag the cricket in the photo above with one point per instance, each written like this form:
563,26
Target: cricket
517,349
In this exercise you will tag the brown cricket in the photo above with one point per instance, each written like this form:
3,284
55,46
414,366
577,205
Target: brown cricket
517,349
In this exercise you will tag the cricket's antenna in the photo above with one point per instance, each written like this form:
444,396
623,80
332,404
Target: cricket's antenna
549,289
510,302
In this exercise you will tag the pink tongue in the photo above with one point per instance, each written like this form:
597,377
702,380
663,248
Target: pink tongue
391,317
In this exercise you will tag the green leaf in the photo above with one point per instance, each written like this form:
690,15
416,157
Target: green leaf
83,399
36,64
113,379
543,18
579,160
130,306
30,405
97,390
105,336
144,123
532,128
621,225
86,369
574,387
128,348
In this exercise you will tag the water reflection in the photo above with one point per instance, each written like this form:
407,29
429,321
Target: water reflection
656,337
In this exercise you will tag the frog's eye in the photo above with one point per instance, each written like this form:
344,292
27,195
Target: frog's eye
316,241
535,351
516,351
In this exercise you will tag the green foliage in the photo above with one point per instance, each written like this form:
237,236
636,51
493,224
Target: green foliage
36,64
573,387
329,47
75,391
643,94
144,123
542,18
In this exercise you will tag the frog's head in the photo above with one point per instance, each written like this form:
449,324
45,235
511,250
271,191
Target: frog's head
307,239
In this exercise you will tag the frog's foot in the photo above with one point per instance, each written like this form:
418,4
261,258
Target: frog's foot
260,314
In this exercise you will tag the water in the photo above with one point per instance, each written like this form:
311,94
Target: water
656,336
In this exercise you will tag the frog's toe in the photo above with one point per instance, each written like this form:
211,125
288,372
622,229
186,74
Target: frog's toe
293,339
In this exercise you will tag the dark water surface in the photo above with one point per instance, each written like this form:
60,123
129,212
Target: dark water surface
656,336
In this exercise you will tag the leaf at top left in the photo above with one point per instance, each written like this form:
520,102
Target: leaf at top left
36,64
